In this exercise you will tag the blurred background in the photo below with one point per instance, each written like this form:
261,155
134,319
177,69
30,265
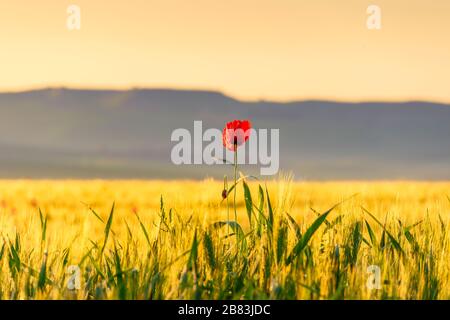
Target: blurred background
102,101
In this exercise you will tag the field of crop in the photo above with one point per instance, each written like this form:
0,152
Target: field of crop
173,240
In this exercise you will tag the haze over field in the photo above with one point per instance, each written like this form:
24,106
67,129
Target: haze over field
299,66
64,133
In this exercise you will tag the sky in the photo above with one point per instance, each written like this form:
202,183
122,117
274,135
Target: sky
250,49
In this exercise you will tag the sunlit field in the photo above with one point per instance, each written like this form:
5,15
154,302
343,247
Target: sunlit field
180,240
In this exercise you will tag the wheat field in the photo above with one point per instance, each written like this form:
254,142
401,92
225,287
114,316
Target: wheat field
179,240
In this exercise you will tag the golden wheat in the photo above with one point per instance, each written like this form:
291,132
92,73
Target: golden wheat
162,240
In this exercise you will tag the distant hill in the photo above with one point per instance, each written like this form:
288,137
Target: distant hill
65,133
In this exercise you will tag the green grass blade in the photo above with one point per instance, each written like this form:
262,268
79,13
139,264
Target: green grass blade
394,242
144,230
248,201
108,228
373,239
209,249
295,226
270,218
303,242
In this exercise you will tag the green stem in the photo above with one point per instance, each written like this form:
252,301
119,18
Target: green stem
228,206
235,186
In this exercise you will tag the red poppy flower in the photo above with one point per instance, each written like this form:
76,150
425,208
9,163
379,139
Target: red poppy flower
236,133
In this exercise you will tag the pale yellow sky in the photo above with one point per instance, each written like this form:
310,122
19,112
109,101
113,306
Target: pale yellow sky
251,49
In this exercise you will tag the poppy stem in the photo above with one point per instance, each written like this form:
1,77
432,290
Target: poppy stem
228,206
235,181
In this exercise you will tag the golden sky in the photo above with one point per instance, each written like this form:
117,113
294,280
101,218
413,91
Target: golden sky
251,49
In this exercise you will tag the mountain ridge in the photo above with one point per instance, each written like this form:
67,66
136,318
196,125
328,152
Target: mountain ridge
219,93
63,132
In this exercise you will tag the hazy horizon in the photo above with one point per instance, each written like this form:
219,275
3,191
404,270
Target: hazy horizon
357,89
127,134
218,91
